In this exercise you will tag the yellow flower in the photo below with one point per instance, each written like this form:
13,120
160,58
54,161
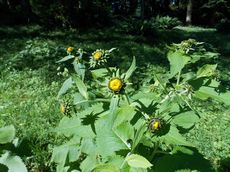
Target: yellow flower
69,49
62,108
115,84
155,124
97,55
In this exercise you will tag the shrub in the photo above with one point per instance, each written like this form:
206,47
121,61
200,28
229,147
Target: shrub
164,22
111,126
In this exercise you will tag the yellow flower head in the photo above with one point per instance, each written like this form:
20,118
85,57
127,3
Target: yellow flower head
155,124
115,84
62,108
97,54
69,49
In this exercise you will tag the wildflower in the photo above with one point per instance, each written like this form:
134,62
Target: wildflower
97,54
115,84
62,108
155,124
65,108
69,49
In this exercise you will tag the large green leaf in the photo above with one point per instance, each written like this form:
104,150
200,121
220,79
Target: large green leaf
140,130
131,69
7,134
186,119
13,163
106,168
79,69
65,152
206,70
138,161
72,126
66,58
113,106
124,113
81,87
125,132
99,73
206,92
107,141
177,61
175,138
88,164
66,85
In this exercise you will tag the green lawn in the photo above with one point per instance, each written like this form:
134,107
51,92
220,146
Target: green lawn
29,81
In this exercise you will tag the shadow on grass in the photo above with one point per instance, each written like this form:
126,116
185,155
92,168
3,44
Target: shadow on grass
182,161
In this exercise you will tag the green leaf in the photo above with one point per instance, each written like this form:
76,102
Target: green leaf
124,113
59,155
65,152
125,131
114,104
81,87
66,58
138,161
206,92
7,134
139,133
13,163
88,164
72,126
131,69
79,69
175,138
206,70
66,85
107,141
99,73
177,61
106,168
132,169
186,119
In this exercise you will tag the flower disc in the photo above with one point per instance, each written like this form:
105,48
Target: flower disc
115,84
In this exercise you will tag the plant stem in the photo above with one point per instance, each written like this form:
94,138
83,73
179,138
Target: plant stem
178,78
155,150
127,98
124,161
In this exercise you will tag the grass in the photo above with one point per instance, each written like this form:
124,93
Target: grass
29,83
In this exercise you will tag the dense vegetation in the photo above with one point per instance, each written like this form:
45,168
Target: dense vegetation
114,85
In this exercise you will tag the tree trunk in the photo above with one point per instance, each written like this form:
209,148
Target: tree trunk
189,12
142,9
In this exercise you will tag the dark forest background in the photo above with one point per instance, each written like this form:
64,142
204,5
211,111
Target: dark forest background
98,13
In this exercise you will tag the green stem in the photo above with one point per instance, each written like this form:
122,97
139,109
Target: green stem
124,161
96,100
127,98
164,88
154,151
178,78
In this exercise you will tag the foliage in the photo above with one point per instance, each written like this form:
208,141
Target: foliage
10,146
113,126
164,22
34,52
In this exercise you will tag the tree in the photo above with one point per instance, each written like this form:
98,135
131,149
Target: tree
189,12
